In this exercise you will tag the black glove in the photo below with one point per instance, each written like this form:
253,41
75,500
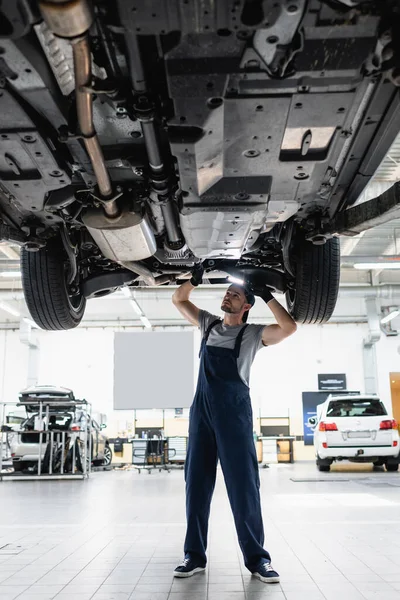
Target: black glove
197,274
263,292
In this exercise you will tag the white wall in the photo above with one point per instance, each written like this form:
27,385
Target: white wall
82,359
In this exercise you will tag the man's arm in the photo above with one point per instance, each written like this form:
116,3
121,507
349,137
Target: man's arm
286,326
183,304
181,296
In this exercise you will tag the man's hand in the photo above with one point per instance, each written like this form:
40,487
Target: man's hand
262,292
197,275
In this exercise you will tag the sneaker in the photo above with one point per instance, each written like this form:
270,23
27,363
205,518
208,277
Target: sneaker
265,572
187,568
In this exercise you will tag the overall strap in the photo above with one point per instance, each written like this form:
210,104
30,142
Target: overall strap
207,333
208,330
239,339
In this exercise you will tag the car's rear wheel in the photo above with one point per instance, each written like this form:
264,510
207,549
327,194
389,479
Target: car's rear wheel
317,272
107,456
323,464
392,467
324,468
47,295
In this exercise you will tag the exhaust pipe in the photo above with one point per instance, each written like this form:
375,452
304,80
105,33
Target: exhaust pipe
84,106
72,20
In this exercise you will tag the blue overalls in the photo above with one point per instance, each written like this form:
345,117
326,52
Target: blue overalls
221,425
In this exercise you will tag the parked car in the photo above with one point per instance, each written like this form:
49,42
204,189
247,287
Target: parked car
139,138
65,417
356,428
12,423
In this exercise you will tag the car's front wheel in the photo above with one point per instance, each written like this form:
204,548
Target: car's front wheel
50,300
107,456
317,270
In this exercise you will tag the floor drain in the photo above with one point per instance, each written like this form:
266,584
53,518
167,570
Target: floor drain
296,480
9,549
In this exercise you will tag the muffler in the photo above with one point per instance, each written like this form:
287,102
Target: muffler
125,238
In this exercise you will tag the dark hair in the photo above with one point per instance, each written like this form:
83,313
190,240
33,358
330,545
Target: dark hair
250,298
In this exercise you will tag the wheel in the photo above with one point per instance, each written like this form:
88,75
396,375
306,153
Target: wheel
392,467
324,468
24,465
107,456
323,465
317,270
44,281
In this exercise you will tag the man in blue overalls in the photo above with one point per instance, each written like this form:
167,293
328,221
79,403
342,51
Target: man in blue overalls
221,423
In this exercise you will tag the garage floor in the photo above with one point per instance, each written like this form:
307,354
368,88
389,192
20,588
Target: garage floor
119,535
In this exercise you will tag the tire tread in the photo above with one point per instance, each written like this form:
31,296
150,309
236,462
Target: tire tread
44,289
317,282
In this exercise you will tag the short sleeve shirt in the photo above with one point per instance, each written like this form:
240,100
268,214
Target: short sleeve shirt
224,336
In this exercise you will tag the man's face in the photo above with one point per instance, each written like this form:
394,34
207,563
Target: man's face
234,301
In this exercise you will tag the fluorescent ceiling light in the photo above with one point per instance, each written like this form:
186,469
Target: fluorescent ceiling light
136,307
392,315
382,265
145,321
9,309
236,280
10,274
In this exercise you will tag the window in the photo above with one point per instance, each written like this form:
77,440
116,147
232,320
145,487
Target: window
58,421
14,420
356,408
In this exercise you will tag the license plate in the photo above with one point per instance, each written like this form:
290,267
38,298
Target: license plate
359,434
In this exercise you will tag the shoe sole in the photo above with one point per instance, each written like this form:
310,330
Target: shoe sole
266,579
190,573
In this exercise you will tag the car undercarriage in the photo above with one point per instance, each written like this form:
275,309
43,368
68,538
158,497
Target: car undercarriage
139,138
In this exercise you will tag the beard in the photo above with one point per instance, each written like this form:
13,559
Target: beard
227,308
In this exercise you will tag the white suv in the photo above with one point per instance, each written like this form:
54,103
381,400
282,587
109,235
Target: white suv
356,428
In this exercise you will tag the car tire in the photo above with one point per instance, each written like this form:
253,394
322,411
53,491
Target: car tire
108,456
45,289
317,272
24,465
392,467
324,468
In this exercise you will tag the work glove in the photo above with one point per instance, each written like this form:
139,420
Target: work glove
197,274
262,292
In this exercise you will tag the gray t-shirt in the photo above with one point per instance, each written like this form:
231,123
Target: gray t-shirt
224,336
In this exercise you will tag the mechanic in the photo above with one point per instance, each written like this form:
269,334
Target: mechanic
221,422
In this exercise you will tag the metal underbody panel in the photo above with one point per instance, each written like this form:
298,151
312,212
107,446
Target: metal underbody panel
267,111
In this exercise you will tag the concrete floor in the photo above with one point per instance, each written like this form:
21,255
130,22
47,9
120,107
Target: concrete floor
119,535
